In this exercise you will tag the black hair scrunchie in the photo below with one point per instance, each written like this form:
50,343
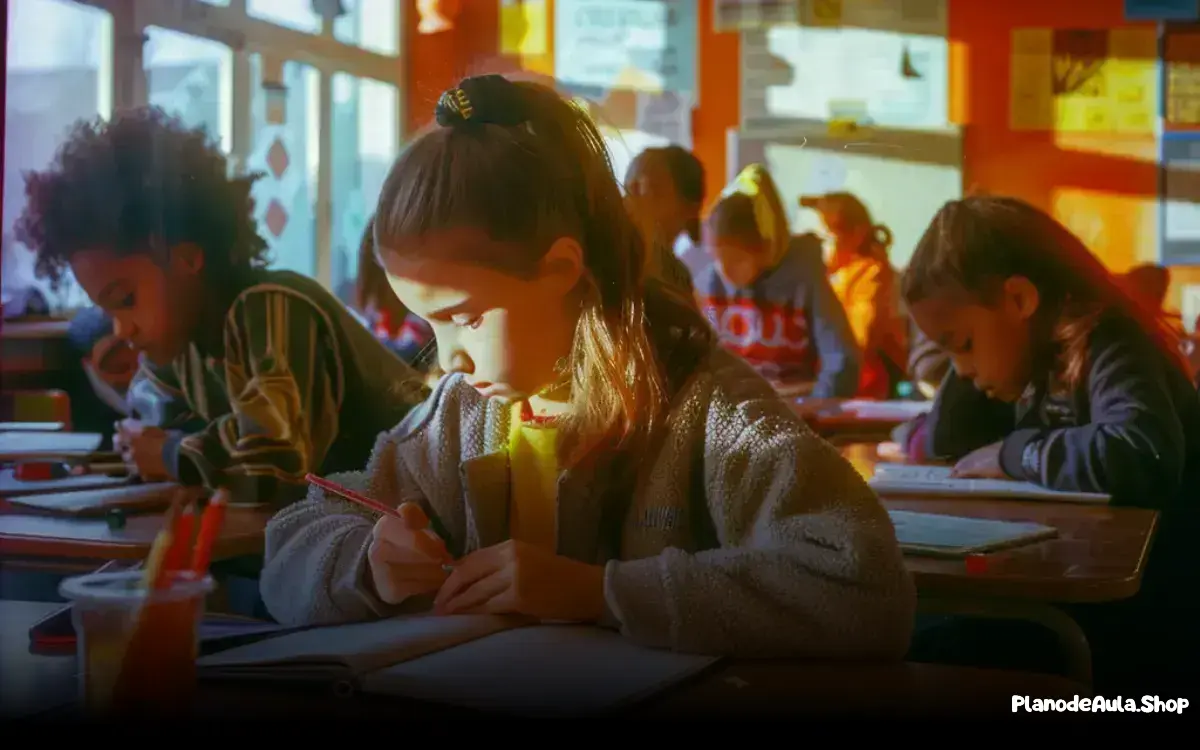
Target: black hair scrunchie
490,99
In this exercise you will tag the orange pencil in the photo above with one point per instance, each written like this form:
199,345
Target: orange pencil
185,527
210,526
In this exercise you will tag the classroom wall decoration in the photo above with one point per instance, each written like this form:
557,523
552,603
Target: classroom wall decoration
744,15
1181,54
1162,10
523,27
649,45
1084,80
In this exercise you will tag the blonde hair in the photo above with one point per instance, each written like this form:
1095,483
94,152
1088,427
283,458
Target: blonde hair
527,166
770,220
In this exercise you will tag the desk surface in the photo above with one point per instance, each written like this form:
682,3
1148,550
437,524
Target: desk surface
24,534
33,683
35,329
1099,555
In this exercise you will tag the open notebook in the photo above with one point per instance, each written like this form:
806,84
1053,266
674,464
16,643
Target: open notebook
488,663
936,535
934,481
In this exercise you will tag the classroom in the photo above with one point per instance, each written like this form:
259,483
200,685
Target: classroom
575,358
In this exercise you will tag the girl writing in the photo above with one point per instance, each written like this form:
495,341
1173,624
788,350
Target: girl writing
768,297
592,455
1059,378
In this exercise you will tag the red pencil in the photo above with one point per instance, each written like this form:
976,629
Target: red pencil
351,495
176,557
210,526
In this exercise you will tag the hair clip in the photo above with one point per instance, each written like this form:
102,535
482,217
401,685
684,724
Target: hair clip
463,104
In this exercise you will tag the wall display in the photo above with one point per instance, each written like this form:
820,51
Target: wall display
1084,80
743,15
648,45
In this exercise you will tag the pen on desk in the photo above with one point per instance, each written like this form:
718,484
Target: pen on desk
360,499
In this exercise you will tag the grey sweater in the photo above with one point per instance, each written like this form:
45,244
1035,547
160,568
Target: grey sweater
746,535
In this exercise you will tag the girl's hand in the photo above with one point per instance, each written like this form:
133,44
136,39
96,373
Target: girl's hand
141,448
981,464
406,556
518,578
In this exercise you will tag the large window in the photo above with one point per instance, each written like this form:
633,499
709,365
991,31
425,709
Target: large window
59,71
312,103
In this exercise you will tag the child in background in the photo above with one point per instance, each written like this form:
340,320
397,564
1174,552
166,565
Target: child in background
865,284
666,191
593,455
403,333
768,296
1062,380
250,378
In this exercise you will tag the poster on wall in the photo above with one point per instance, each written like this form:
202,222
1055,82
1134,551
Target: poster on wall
744,15
1181,54
1162,10
880,78
1179,232
1084,80
646,45
523,27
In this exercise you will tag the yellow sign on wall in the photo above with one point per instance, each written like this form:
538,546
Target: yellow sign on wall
1084,80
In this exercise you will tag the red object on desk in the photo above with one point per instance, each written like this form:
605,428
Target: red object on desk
977,563
40,471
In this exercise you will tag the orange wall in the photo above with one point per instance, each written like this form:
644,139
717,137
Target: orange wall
1103,186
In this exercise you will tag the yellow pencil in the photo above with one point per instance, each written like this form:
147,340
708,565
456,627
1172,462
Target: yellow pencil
162,545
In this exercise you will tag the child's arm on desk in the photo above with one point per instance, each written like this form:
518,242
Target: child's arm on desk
807,563
963,419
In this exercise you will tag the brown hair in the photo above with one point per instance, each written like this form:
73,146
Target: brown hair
685,170
733,216
371,289
527,166
974,244
844,211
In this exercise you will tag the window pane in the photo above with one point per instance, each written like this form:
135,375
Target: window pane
295,14
371,24
192,78
59,71
365,133
284,147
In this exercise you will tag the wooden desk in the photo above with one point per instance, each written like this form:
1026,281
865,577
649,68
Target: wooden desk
31,535
828,420
1099,555
32,348
32,683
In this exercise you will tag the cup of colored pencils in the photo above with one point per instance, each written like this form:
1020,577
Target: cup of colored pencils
138,631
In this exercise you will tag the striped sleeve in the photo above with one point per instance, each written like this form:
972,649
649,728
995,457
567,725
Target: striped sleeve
285,383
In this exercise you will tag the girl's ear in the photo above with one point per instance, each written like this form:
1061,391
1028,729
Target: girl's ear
562,265
1022,296
187,258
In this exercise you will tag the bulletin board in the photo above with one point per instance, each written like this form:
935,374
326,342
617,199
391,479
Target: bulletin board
903,176
1179,147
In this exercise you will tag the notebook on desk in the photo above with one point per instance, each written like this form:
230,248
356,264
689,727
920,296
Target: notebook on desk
495,664
936,535
935,481
11,487
145,498
895,410
27,445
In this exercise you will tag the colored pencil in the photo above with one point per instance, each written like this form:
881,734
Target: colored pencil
210,527
154,575
351,495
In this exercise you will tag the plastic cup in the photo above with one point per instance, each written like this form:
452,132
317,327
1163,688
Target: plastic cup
154,673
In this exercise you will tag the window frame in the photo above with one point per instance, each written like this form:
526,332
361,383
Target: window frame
246,35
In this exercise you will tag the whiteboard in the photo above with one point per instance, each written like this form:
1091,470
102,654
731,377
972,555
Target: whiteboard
903,176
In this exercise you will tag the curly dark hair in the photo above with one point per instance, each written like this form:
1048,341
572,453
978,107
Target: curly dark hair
140,183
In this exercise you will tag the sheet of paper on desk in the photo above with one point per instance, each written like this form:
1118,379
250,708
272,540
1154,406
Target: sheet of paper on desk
903,410
907,479
24,445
